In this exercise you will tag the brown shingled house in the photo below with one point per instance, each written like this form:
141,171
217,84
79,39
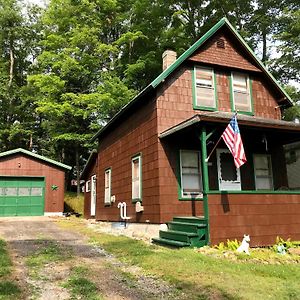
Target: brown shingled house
151,155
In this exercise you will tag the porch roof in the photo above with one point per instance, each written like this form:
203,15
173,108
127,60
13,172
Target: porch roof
224,117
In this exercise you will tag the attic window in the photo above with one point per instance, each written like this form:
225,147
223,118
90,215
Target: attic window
220,43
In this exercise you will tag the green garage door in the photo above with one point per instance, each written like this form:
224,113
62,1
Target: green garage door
22,196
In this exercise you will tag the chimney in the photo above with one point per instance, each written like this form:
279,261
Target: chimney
168,57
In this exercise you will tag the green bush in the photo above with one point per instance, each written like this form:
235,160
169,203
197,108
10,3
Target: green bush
229,245
286,243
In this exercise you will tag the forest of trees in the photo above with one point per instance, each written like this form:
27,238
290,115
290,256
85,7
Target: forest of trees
66,69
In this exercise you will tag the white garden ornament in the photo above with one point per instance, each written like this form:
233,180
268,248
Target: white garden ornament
245,245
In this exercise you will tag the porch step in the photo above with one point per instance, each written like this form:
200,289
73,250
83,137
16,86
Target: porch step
187,227
177,235
183,232
194,220
167,242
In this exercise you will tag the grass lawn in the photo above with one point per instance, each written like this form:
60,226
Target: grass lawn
8,288
201,276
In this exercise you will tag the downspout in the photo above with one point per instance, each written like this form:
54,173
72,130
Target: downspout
205,180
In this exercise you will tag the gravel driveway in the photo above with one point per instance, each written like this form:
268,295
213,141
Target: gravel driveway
114,280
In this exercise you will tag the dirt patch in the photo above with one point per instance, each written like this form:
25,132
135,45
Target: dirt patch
30,237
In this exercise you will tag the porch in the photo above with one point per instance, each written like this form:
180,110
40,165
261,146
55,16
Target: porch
262,198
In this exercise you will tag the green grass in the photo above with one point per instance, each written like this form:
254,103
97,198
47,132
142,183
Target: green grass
74,203
200,276
5,262
81,287
8,288
51,252
48,252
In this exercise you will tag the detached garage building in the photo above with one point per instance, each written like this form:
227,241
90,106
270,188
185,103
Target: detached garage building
31,184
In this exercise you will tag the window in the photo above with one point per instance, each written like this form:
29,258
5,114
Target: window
136,178
107,186
204,94
88,186
241,93
190,174
263,172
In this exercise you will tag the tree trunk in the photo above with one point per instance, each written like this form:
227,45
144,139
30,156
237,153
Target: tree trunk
77,172
11,68
264,50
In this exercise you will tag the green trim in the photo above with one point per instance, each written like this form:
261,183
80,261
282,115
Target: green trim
181,59
205,180
37,156
249,113
139,157
180,195
194,90
261,192
107,170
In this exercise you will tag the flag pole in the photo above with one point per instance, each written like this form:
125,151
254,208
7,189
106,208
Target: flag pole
211,152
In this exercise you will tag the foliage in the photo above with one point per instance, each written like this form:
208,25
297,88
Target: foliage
286,243
67,69
229,245
73,203
288,36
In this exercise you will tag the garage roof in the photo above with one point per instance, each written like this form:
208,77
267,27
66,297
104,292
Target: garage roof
37,156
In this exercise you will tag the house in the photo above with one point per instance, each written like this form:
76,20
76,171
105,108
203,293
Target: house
31,184
152,154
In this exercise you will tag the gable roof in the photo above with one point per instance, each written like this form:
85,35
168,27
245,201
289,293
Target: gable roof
89,162
160,78
34,155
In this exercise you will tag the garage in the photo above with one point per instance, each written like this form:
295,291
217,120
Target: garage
22,196
31,184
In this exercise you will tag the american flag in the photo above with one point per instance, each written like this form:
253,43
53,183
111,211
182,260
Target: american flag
233,140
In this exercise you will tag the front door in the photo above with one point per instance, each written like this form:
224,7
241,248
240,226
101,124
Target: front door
228,175
93,195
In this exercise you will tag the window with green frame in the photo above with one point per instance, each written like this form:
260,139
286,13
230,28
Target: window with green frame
263,172
241,95
190,174
136,171
107,186
204,88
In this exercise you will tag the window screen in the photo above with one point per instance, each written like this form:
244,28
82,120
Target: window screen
107,186
241,92
136,177
191,180
205,88
263,172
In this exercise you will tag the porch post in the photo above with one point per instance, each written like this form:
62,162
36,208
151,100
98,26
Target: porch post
203,139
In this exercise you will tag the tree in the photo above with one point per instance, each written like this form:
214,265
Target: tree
17,42
75,87
288,64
